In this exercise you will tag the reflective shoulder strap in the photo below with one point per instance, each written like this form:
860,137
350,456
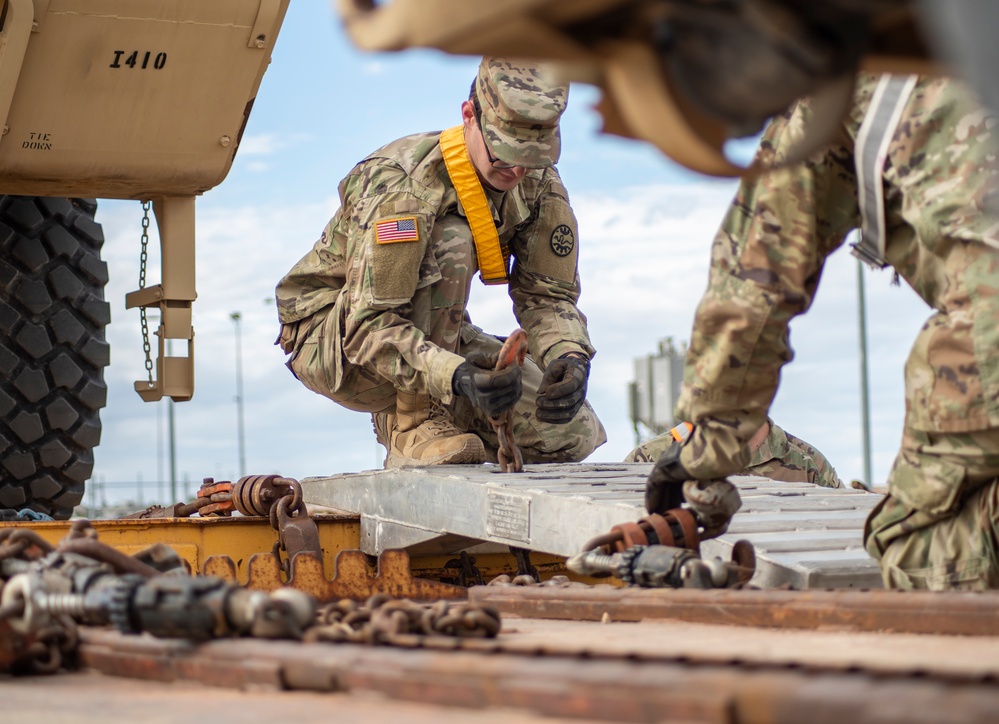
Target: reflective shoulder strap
681,432
492,261
871,152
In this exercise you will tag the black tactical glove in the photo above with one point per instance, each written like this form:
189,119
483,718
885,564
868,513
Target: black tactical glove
664,488
492,391
563,389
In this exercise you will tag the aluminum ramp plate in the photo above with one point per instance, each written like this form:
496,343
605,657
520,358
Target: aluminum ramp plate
805,536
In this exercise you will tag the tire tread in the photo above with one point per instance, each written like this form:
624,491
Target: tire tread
52,350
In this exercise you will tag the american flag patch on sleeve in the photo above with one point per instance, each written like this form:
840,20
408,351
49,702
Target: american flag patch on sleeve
389,232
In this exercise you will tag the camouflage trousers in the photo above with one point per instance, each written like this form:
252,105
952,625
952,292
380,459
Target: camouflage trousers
438,310
540,442
938,527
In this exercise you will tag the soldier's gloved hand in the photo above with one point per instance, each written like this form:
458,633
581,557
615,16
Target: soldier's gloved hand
563,389
492,391
664,487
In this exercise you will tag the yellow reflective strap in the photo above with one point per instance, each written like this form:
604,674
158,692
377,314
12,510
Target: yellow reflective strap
492,261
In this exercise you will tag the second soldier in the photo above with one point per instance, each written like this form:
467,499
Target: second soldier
374,315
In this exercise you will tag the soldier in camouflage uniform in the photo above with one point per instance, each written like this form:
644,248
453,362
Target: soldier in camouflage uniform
937,527
776,454
374,315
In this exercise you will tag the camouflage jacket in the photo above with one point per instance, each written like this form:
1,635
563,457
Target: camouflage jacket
781,456
768,256
369,286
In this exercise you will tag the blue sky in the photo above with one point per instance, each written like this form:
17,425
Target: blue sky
645,232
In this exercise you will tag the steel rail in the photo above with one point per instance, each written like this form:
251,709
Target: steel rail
950,613
581,687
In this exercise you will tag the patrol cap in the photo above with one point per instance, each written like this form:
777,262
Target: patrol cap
521,108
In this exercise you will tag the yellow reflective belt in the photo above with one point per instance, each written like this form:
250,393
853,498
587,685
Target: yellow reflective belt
492,260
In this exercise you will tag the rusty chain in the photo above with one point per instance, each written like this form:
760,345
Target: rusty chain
506,581
386,620
46,591
297,532
50,647
274,497
53,647
289,504
513,351
18,547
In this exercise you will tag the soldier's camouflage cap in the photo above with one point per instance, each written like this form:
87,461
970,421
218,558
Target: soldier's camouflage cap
521,108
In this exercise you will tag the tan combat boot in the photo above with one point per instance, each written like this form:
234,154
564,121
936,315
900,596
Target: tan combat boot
383,424
425,435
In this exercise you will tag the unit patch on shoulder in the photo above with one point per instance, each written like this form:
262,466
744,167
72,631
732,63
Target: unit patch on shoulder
395,230
562,241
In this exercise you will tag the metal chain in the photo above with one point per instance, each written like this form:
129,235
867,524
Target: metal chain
42,650
55,645
505,581
510,459
143,263
382,619
385,620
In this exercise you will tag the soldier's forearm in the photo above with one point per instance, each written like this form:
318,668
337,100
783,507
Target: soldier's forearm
395,349
718,445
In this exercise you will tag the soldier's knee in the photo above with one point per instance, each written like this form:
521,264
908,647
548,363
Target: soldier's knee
592,436
569,443
956,552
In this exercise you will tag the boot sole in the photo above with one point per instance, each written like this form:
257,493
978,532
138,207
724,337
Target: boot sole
472,452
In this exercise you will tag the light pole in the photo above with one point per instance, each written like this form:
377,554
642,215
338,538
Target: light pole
865,407
236,318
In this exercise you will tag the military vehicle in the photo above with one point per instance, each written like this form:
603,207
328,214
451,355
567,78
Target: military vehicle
667,648
121,100
689,75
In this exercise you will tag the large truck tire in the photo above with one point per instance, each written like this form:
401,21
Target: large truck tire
52,351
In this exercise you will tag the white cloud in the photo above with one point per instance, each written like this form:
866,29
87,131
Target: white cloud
268,144
261,144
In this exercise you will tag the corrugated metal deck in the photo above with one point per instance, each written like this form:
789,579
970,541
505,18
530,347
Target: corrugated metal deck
805,536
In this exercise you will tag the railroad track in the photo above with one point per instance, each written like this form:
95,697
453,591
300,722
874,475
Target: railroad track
827,668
